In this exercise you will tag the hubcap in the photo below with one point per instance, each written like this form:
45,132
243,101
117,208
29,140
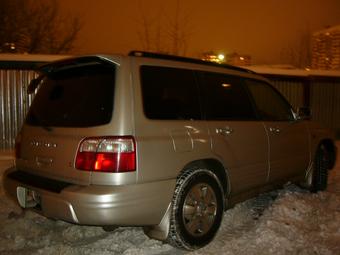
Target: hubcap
199,209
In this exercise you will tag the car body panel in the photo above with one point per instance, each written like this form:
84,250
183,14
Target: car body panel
165,146
287,159
251,155
102,204
51,151
244,151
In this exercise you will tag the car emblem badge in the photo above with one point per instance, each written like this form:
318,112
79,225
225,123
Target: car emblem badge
36,143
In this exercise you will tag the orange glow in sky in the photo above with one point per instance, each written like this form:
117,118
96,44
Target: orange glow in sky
265,29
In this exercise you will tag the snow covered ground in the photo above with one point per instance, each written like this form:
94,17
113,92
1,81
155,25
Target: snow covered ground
287,221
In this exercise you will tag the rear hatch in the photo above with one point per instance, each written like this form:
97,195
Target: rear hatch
74,100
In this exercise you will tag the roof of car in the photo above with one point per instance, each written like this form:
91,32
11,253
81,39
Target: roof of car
186,60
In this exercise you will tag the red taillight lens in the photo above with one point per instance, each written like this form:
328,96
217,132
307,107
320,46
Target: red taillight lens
107,154
84,160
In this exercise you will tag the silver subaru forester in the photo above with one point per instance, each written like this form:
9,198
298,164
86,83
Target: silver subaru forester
164,142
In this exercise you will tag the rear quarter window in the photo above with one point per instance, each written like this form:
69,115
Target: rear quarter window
169,93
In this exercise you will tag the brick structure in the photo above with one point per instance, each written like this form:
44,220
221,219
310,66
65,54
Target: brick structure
326,49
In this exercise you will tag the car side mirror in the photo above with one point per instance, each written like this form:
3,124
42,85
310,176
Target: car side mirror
304,113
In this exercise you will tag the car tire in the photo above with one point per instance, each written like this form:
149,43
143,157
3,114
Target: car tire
197,209
320,170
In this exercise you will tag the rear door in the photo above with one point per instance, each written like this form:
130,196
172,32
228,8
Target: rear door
289,144
238,138
169,130
75,100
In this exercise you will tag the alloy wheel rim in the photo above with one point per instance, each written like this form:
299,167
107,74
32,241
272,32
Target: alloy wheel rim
199,209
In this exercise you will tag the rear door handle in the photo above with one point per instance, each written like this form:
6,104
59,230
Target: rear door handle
224,131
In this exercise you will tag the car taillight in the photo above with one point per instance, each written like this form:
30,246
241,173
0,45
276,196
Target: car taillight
107,154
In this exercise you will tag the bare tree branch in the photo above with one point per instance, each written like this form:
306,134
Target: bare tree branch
36,26
167,33
299,53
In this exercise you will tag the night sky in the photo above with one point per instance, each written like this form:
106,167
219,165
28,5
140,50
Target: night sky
265,29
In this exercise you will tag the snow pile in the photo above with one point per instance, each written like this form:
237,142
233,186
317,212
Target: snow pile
288,221
297,222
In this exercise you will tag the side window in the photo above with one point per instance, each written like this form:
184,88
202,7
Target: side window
270,104
225,97
169,93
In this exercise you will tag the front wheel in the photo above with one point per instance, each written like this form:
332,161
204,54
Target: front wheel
197,209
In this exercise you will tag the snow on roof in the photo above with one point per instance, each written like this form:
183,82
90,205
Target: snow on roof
31,57
291,71
285,70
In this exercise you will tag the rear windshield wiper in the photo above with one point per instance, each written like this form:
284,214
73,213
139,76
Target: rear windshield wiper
34,83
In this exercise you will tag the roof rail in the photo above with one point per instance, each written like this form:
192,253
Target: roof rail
136,53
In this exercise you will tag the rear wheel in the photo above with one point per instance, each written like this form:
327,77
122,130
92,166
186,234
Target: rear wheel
320,170
197,209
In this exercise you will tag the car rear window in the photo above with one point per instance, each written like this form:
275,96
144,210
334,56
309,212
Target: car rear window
76,96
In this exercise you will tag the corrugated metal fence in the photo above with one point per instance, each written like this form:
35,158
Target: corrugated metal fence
325,103
16,71
293,90
14,103
321,94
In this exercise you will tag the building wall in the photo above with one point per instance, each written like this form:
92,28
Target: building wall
326,49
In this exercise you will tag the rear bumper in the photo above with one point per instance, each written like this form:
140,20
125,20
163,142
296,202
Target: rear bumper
138,204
